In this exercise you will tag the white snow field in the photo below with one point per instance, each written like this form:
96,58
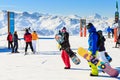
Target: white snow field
48,65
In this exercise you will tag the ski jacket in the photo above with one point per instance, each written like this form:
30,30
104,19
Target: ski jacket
92,40
34,36
101,43
28,37
108,29
10,37
15,38
65,44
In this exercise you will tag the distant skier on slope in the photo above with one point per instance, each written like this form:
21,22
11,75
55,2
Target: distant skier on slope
28,40
15,40
34,39
10,41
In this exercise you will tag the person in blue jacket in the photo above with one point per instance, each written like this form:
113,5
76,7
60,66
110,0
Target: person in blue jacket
109,31
93,48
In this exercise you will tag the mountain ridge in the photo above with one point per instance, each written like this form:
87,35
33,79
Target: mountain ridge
47,24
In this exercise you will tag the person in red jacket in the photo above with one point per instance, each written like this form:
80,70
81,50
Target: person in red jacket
10,41
28,40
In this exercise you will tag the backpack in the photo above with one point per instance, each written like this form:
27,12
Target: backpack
101,38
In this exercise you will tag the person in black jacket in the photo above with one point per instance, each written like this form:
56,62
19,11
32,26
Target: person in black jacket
10,42
66,50
101,47
64,46
15,40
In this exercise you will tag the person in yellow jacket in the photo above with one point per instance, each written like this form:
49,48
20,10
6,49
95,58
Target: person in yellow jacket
34,39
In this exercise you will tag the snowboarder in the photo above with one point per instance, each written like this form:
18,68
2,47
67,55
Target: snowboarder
28,40
10,41
101,47
92,42
109,31
34,39
15,40
64,46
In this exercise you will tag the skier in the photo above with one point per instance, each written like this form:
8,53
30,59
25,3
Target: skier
28,40
15,40
34,39
10,41
101,47
64,46
92,42
112,30
109,31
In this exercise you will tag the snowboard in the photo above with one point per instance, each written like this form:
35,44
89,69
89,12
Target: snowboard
71,54
105,67
59,38
108,57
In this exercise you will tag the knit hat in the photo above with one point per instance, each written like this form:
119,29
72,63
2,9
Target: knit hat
89,25
64,28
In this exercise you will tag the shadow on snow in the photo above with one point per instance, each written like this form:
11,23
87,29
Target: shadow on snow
5,50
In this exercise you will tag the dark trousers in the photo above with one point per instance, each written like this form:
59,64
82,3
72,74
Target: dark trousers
29,43
117,43
10,45
16,46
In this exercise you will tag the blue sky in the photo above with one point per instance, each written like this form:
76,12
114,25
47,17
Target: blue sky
82,8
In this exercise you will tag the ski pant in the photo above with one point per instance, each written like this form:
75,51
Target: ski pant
29,43
34,45
101,56
15,46
65,58
94,69
10,44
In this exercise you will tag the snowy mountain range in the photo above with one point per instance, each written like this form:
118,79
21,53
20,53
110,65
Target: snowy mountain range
47,24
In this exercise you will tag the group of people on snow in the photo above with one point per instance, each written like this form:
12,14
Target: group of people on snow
30,39
96,43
